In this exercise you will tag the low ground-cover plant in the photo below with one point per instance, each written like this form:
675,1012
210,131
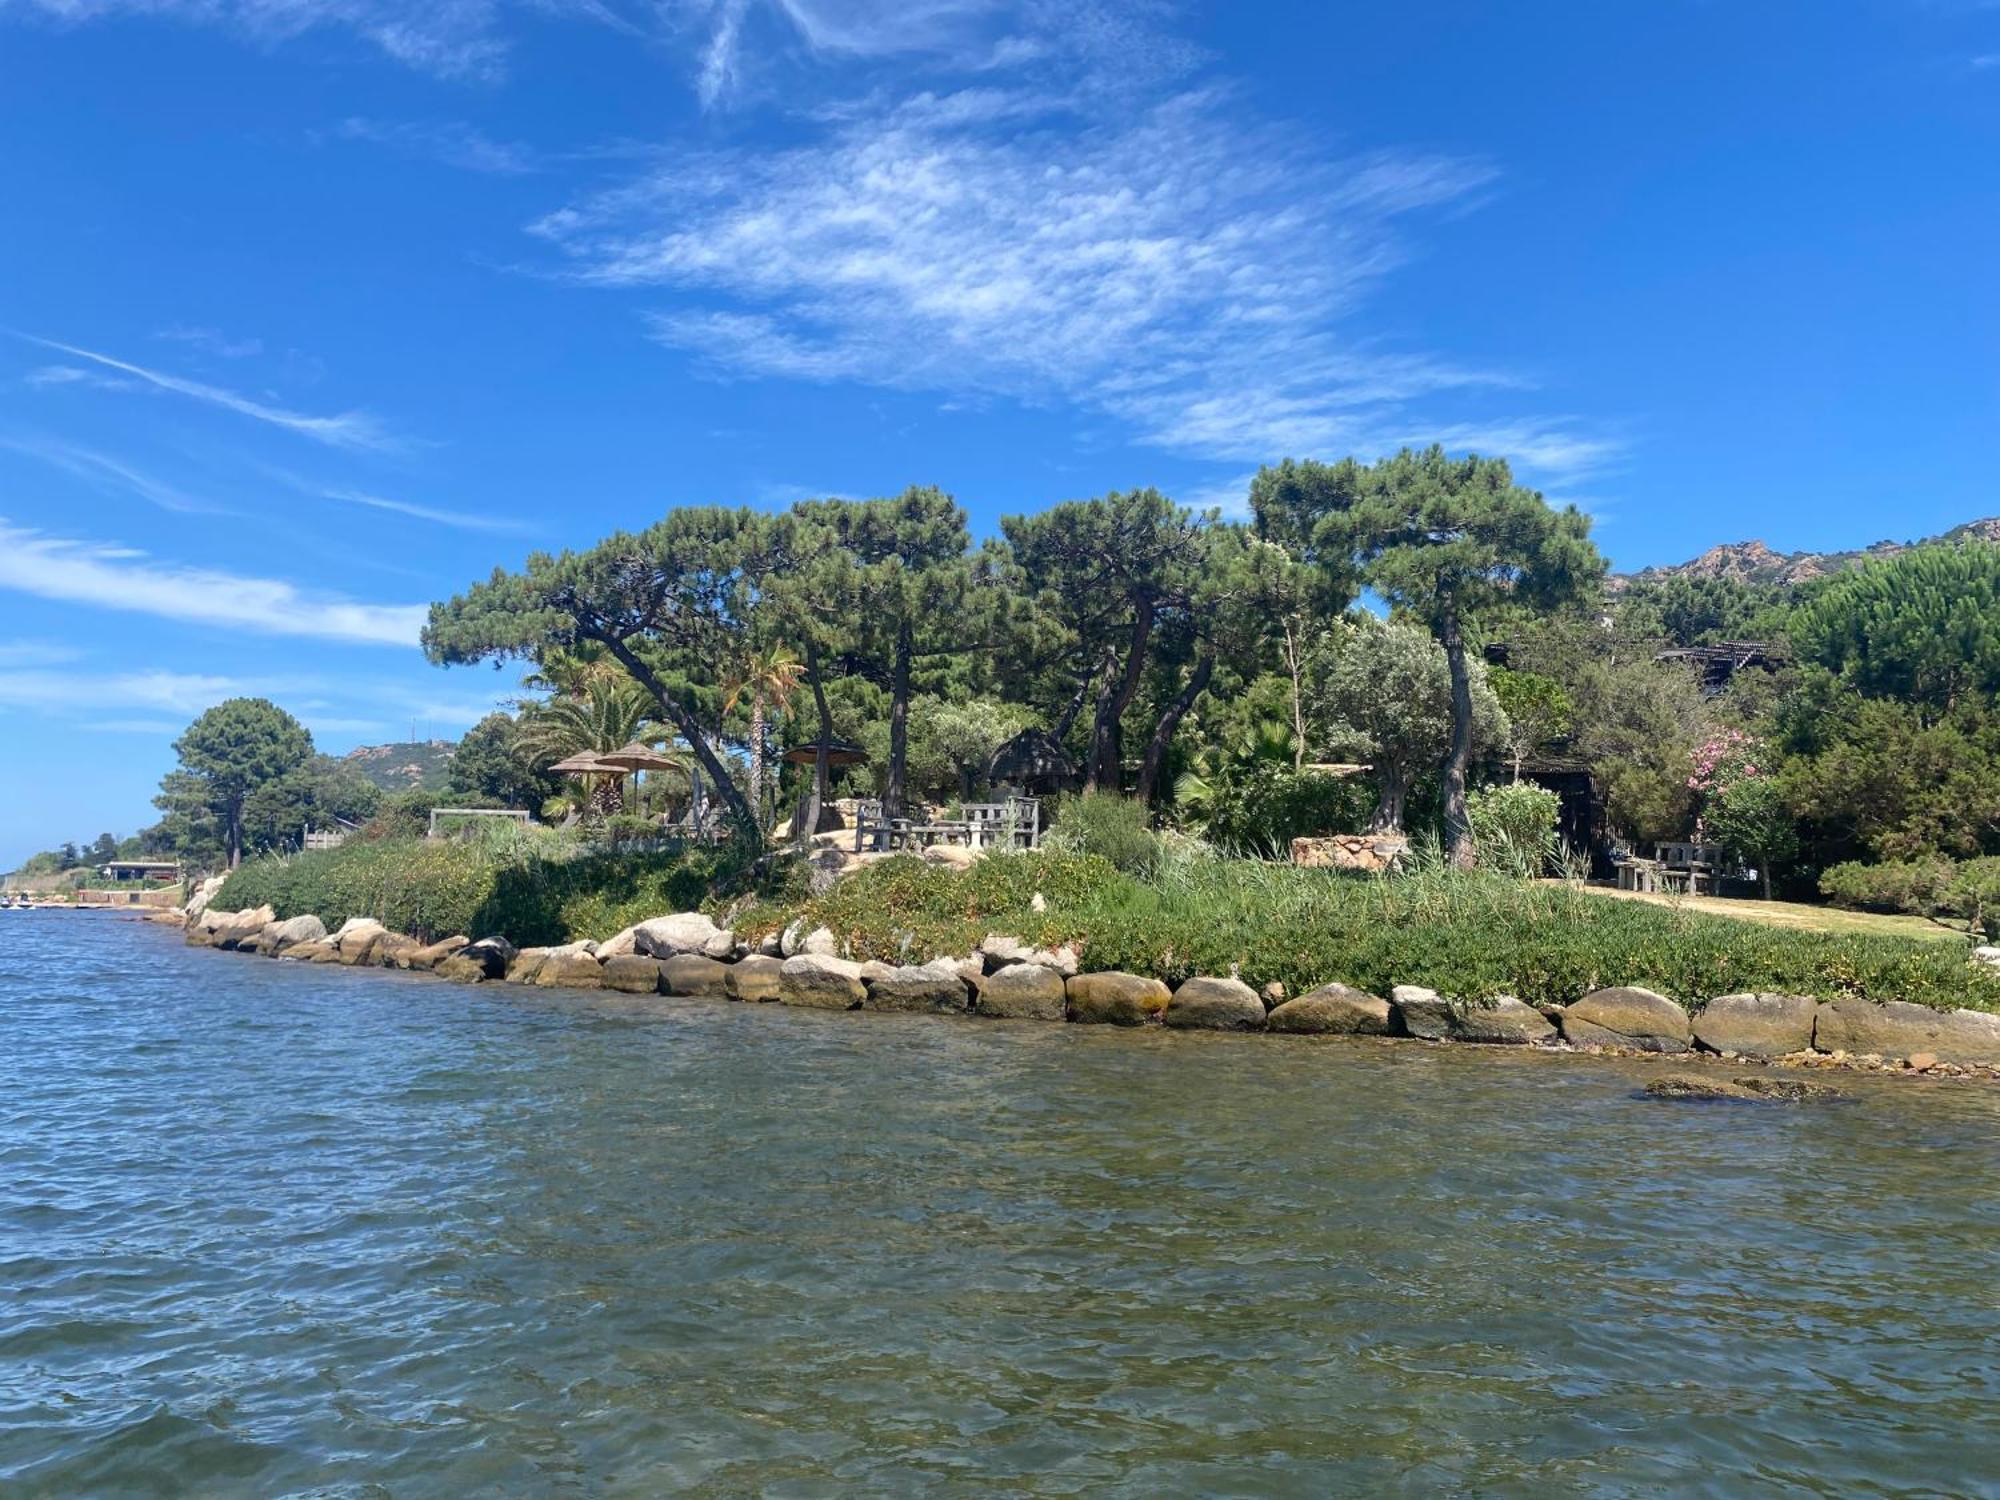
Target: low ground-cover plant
1464,935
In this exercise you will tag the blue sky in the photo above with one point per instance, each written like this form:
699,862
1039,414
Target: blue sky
316,310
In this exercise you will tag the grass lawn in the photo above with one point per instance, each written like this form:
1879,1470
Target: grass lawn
1793,914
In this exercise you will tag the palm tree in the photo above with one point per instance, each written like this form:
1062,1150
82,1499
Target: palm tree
608,714
766,681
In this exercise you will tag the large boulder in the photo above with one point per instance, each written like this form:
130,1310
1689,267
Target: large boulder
437,953
279,936
1757,1025
1216,1005
632,973
198,902
1001,950
570,967
357,938
321,952
243,929
490,954
1023,992
393,950
817,981
685,932
1116,999
462,968
934,986
754,978
1333,1010
1897,1028
1627,1017
525,965
1499,1019
693,975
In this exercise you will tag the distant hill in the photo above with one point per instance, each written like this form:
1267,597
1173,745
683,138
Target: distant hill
401,767
1754,562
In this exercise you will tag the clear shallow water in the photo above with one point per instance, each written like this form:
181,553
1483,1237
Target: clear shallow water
267,1229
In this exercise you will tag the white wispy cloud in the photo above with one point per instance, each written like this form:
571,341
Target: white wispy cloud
1175,268
345,430
108,576
100,468
183,693
451,142
462,520
211,341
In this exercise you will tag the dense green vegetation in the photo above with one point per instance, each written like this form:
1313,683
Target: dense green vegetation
1179,684
1175,911
532,889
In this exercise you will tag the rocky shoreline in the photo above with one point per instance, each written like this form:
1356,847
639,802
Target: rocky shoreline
687,955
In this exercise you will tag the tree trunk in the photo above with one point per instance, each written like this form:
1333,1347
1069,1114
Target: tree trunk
1059,731
1163,733
1458,845
691,731
1298,702
757,754
816,800
1392,789
233,834
894,790
1113,698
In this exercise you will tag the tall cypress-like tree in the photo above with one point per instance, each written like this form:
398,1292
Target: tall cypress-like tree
226,756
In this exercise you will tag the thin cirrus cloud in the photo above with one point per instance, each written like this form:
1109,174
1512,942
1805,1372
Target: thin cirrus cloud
1172,267
127,580
351,430
101,469
461,520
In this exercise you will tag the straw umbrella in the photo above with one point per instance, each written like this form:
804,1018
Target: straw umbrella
638,757
585,765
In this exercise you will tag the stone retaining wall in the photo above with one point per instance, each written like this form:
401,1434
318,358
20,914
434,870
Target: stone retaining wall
688,955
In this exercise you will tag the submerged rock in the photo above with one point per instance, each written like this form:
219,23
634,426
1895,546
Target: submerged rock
1024,992
1333,1010
1757,1025
1216,1005
1756,1088
1117,999
1627,1017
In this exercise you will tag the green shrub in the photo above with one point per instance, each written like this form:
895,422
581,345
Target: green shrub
1258,807
528,886
1514,827
1110,826
1958,893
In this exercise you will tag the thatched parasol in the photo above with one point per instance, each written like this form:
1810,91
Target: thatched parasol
638,757
1035,759
584,763
838,753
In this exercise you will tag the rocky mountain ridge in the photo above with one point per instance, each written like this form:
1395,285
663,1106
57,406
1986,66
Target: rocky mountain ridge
407,764
1758,562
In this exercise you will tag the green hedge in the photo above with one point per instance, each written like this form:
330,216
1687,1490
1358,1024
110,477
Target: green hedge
1466,936
432,889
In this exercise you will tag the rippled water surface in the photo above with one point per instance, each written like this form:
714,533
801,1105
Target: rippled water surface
271,1229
